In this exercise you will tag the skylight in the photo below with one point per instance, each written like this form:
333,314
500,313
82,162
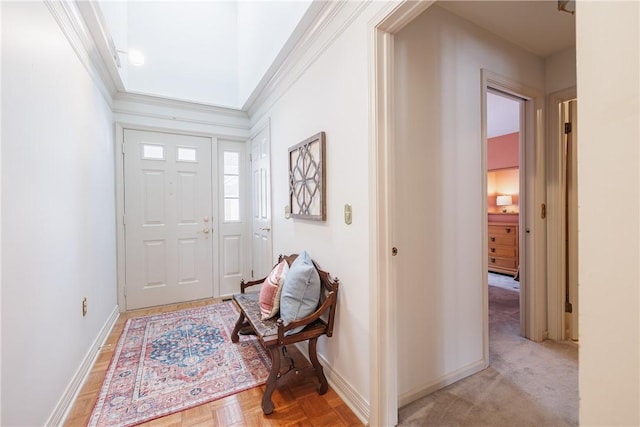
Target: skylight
210,52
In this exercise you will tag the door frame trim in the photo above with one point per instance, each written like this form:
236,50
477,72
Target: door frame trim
533,316
262,124
120,127
556,263
383,370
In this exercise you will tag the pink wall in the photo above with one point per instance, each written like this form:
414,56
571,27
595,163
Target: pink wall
502,151
503,178
504,182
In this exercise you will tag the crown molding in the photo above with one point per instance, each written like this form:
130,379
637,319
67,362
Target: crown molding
106,53
73,26
174,110
327,25
309,19
142,98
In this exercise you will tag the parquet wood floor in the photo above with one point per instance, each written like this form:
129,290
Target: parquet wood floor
296,400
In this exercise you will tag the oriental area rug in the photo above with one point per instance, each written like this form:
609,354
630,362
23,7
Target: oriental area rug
174,361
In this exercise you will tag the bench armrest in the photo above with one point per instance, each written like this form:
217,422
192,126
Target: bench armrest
326,306
244,285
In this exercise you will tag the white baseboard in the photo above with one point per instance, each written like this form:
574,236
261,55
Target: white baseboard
341,386
61,411
450,378
347,393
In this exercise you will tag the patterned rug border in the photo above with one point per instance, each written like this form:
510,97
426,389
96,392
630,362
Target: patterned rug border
95,418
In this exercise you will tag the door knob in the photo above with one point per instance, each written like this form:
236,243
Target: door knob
205,230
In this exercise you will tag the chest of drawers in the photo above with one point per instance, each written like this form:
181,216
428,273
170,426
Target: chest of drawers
503,248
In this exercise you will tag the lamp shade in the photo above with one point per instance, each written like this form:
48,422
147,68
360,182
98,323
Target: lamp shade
504,201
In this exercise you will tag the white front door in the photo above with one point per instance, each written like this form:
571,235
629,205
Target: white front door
262,259
168,218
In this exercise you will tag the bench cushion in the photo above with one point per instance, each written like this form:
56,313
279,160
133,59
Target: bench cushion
250,305
267,330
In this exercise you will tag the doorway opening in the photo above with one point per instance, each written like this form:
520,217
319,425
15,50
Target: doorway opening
503,136
568,115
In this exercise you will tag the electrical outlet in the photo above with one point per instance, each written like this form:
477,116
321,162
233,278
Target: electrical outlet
84,306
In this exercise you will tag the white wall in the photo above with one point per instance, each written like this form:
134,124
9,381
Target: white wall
439,195
334,99
609,211
560,70
58,240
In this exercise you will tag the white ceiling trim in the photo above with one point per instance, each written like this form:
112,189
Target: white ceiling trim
317,12
67,16
177,114
180,104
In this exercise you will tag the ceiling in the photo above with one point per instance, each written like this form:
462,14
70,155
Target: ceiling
217,52
503,115
536,26
206,51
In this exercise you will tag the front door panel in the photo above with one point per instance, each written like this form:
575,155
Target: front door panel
168,210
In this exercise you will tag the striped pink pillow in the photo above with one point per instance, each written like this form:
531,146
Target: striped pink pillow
270,292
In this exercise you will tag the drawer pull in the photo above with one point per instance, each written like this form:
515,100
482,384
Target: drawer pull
493,260
508,230
493,249
493,239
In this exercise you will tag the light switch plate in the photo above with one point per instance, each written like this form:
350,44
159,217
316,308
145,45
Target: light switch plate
348,216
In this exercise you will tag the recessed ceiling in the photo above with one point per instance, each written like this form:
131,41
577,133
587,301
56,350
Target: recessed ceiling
210,52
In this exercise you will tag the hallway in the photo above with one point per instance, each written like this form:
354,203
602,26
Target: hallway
527,383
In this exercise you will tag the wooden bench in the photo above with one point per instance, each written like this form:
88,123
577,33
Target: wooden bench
271,333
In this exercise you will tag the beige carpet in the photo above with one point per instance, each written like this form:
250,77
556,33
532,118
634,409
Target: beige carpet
527,384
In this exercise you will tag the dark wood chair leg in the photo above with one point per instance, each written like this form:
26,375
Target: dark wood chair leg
267,404
313,355
234,335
